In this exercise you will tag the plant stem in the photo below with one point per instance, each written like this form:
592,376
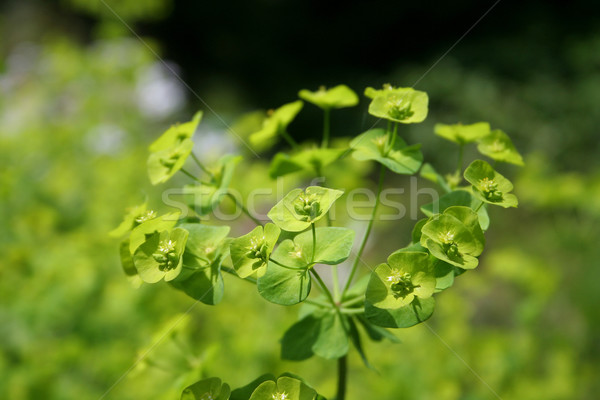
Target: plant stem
324,288
285,266
232,272
459,166
336,283
288,138
244,209
367,233
202,167
394,136
326,127
479,206
314,235
342,375
190,175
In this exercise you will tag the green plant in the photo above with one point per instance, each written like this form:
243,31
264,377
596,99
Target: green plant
279,257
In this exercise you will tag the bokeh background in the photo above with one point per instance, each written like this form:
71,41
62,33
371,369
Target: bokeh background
81,97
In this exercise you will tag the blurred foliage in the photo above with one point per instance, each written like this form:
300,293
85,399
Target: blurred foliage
75,120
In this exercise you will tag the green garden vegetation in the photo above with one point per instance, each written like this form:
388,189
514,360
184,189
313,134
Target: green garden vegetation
279,255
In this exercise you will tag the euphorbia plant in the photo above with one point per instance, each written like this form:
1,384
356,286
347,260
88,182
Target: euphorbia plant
280,256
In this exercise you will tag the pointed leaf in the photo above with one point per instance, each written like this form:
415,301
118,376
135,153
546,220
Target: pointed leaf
404,317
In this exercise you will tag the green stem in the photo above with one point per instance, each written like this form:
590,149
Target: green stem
478,207
202,167
314,237
350,311
367,233
285,266
459,166
190,175
394,136
318,303
244,209
326,127
336,283
324,288
342,375
288,139
353,301
232,272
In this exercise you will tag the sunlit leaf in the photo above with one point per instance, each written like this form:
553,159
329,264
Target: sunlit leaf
404,105
462,134
499,147
340,96
250,253
489,186
399,158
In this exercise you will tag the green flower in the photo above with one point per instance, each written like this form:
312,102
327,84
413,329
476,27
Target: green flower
250,253
407,276
300,208
489,186
135,216
398,157
340,96
462,134
454,236
169,152
160,256
404,105
275,124
498,146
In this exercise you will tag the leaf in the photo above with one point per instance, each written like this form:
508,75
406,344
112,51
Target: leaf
169,246
374,145
274,124
376,333
245,392
284,286
310,160
404,317
163,164
356,341
298,341
489,186
298,209
444,275
408,276
250,253
210,388
176,134
499,147
457,198
332,341
463,134
334,244
286,388
129,221
340,96
404,105
205,283
157,224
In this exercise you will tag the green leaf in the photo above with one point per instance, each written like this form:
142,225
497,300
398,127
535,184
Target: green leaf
356,341
404,105
156,224
298,341
340,96
210,388
176,134
160,256
128,265
452,238
163,164
206,197
310,160
489,186
416,232
274,124
284,286
334,245
408,276
286,388
245,392
444,275
375,145
298,209
133,218
250,253
404,317
457,198
204,283
376,333
463,134
499,147
332,341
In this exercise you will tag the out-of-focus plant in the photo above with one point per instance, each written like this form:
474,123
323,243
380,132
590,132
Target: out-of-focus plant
279,257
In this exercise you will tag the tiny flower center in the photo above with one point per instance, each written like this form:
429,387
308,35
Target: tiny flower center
399,108
296,253
381,142
207,396
498,146
279,396
449,245
148,215
307,206
490,189
401,283
258,248
166,256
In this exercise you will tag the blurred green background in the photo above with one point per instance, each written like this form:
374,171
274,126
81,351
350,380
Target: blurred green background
81,97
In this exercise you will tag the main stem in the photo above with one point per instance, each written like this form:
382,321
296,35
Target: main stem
244,209
367,233
342,375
